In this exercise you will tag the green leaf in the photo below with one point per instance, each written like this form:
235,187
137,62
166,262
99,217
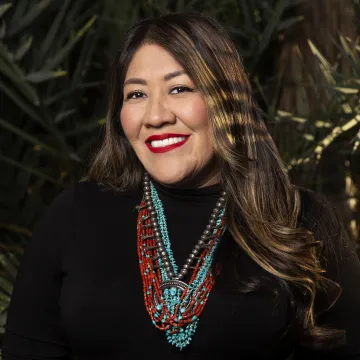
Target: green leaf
271,27
85,128
8,266
347,49
356,142
6,286
249,22
63,115
24,106
298,161
58,97
326,66
289,116
8,57
54,29
4,297
27,108
33,114
15,228
4,305
308,137
23,49
52,63
180,6
83,62
29,18
30,170
19,82
32,139
4,8
44,75
238,32
2,30
283,25
336,131
346,90
18,12
63,94
11,253
322,124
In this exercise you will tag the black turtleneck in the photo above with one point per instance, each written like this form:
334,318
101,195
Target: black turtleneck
79,293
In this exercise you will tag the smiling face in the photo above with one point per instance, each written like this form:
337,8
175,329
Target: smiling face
164,116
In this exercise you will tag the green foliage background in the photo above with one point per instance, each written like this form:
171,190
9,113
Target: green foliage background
54,61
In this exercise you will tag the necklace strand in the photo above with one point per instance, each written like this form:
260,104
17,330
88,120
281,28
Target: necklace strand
149,192
174,305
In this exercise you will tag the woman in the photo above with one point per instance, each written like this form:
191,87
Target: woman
187,239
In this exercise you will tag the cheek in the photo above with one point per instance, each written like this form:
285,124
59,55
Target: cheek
196,115
128,124
202,125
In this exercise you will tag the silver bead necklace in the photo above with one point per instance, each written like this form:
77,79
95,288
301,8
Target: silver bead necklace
201,243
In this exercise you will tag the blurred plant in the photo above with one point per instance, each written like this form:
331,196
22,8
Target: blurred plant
47,49
253,24
336,122
344,106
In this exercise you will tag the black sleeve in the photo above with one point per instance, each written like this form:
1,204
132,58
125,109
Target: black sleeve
33,328
342,265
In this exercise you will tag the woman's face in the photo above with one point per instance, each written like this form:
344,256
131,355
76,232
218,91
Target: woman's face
164,116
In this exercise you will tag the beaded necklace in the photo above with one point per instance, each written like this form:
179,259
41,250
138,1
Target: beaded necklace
174,306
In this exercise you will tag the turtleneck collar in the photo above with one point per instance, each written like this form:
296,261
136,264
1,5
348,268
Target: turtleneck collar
188,195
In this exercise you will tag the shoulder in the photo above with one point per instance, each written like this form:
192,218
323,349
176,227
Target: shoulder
90,194
81,199
85,204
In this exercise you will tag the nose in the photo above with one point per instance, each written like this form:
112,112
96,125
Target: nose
158,113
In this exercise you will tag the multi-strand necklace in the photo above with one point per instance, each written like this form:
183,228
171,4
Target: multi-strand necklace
173,304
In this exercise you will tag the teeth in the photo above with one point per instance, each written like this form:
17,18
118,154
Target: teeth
166,142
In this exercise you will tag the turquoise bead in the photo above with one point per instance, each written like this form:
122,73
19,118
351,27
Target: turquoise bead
171,297
173,291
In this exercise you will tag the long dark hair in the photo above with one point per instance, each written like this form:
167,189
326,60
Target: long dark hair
263,205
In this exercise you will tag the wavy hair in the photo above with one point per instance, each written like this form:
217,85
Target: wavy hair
263,205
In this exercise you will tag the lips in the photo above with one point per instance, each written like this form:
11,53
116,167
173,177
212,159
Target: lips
168,147
164,136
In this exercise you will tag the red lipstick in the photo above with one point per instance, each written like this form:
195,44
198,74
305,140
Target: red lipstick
162,137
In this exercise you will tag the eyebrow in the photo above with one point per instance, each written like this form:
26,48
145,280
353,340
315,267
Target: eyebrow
167,77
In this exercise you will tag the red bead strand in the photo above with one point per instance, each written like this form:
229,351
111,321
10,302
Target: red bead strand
151,279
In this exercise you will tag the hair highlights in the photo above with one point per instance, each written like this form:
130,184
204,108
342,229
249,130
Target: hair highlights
263,206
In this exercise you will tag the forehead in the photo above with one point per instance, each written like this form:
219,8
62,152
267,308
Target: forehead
152,59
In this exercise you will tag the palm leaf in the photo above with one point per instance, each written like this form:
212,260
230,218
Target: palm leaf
29,18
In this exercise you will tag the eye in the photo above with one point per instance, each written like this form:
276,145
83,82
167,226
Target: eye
180,89
134,95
